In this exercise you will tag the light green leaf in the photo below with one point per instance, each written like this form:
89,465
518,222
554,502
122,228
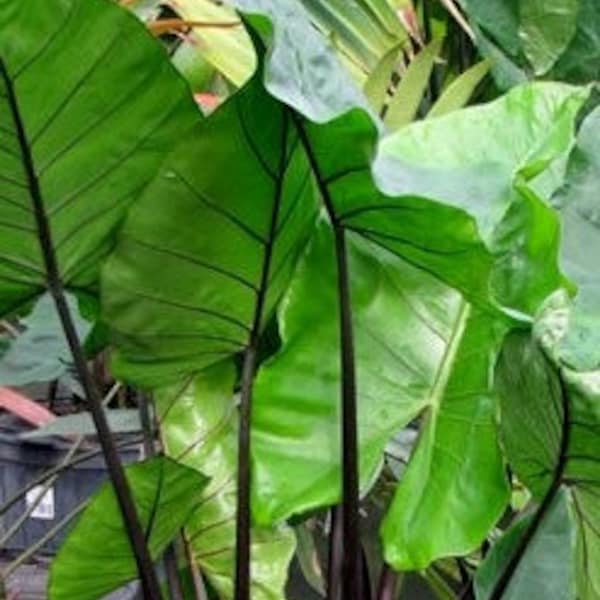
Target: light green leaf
198,426
403,323
458,93
227,48
41,352
95,131
409,94
379,80
546,569
454,488
96,557
511,159
579,205
363,31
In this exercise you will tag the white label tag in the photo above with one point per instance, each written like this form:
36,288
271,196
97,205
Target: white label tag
45,507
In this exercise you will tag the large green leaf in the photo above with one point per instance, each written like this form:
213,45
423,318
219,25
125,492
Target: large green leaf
93,133
198,426
514,158
403,322
578,204
41,353
550,427
96,557
546,569
220,243
454,488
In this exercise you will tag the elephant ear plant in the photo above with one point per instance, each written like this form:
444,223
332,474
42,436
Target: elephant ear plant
392,270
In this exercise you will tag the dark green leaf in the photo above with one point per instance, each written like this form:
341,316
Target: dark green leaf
559,39
546,570
530,401
216,253
95,130
96,557
535,416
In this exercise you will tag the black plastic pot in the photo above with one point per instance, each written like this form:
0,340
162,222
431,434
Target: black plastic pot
22,461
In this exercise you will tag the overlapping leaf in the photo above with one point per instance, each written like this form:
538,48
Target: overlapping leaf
547,567
222,224
403,323
40,353
89,137
557,39
470,217
579,207
96,558
550,427
198,427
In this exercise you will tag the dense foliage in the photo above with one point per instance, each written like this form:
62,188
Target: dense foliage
305,276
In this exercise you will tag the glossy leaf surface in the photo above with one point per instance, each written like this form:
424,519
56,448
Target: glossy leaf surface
211,238
198,426
403,322
94,133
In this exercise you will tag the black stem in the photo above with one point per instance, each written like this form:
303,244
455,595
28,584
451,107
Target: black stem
352,563
149,429
512,565
388,583
367,592
55,286
336,554
243,515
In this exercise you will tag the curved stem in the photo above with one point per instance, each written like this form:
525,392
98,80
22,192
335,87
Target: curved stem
512,565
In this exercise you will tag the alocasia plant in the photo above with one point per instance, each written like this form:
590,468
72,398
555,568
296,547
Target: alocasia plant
391,269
